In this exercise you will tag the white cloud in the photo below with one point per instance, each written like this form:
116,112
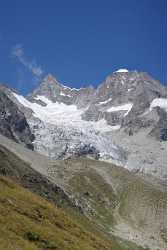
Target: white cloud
18,52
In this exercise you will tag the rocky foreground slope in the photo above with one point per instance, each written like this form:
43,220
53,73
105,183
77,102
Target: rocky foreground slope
29,222
123,120
131,210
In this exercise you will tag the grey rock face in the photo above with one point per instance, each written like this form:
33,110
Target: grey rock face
57,92
122,88
13,123
159,130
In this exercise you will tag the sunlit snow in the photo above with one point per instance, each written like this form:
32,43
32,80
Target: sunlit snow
122,71
64,94
43,99
108,100
65,115
125,107
159,102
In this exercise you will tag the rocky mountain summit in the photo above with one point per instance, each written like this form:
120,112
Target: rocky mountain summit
124,99
123,120
56,92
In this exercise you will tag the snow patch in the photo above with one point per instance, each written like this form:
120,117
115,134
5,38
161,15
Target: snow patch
43,99
122,71
125,107
65,87
108,100
159,102
64,94
116,127
72,89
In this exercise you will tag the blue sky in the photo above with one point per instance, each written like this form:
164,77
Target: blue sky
80,42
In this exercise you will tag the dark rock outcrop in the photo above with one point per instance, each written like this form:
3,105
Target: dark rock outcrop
13,123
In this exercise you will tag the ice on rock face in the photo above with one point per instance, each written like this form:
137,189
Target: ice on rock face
63,115
59,142
61,131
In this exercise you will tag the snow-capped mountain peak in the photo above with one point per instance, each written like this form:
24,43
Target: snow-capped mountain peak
115,121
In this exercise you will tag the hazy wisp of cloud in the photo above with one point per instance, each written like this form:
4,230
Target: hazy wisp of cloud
31,65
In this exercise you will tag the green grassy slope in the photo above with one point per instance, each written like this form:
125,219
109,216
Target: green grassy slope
30,222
